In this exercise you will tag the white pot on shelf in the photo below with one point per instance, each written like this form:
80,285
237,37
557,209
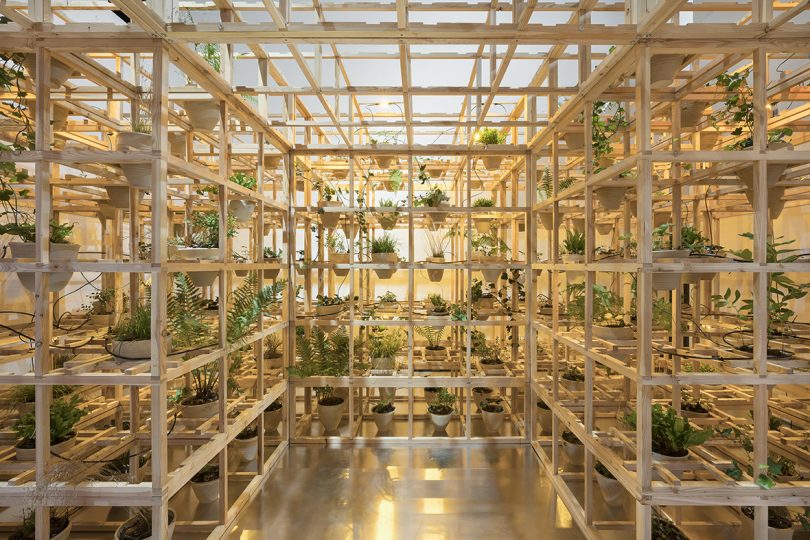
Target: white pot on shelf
384,258
482,224
203,411
119,196
546,220
139,175
774,170
573,275
202,115
544,417
438,218
119,532
131,351
610,197
133,141
206,492
383,421
666,281
202,278
492,163
241,209
29,454
612,490
272,419
614,333
692,113
493,420
246,449
441,421
696,277
330,220
575,452
331,415
60,72
339,258
663,68
776,200
773,534
492,274
574,140
58,253
384,161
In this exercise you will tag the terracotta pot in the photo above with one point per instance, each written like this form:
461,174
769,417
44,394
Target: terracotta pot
131,521
614,333
492,163
132,351
241,209
246,449
384,421
58,253
384,258
441,421
330,220
435,274
384,161
610,198
30,454
206,492
612,490
119,196
493,420
60,72
272,419
692,113
663,68
331,415
574,140
202,115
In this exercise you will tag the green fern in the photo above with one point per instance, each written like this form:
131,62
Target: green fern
248,302
322,355
185,313
433,335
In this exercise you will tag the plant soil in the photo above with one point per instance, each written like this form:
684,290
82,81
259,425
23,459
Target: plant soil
273,406
482,390
694,406
570,437
141,529
28,444
778,516
382,408
492,407
331,400
249,432
208,473
601,469
440,409
200,399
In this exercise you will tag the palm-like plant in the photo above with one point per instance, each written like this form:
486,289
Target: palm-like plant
322,355
185,312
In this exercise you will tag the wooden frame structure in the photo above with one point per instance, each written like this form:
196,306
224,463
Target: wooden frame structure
323,132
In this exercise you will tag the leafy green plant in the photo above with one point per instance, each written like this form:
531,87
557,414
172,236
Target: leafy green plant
243,179
387,298
574,242
248,303
488,244
672,435
385,343
395,180
664,529
483,203
325,300
604,128
490,136
437,304
64,415
270,253
27,232
136,327
336,243
573,373
433,335
443,403
384,244
205,229
433,198
322,355
102,302
662,237
384,406
186,313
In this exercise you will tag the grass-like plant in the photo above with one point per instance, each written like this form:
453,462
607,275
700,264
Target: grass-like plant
205,229
136,327
322,355
437,244
483,203
574,242
437,304
491,136
384,244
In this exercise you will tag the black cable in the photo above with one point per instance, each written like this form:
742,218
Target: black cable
33,340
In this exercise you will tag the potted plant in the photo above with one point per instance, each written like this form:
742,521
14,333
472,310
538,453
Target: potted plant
695,408
664,252
394,180
388,300
241,258
203,244
138,174
437,245
201,400
242,209
60,250
384,251
664,529
610,324
490,136
132,336
272,418
482,298
433,335
272,256
573,447
780,522
489,358
101,310
324,356
544,416
700,250
384,161
64,415
612,490
573,378
328,199
387,214
441,409
203,115
493,414
205,484
437,307
329,306
23,396
672,435
246,443
274,357
490,251
574,252
383,414
383,346
60,525
338,252
483,223
139,526
481,393
435,198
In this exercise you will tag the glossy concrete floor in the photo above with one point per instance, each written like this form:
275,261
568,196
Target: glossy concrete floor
406,493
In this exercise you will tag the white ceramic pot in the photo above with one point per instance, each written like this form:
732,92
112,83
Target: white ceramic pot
667,281
612,490
202,254
544,417
331,415
119,196
773,534
59,253
60,72
241,209
574,140
492,274
246,449
330,220
30,454
132,141
610,198
604,228
204,278
59,118
435,274
492,163
272,419
339,258
138,175
177,144
64,534
384,258
384,161
493,420
575,452
613,333
130,522
440,421
574,386
131,351
206,492
692,113
662,457
203,411
384,421
663,68
328,311
202,115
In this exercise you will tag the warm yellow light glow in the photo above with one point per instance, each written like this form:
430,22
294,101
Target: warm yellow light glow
432,505
433,474
385,521
384,103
